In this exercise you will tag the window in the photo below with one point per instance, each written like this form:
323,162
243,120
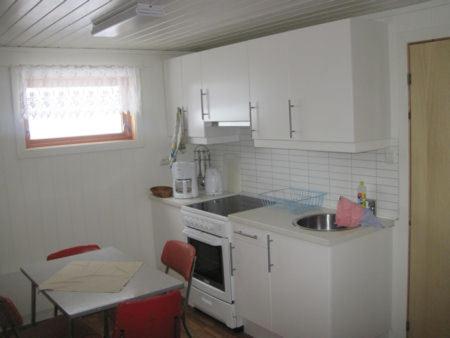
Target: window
66,105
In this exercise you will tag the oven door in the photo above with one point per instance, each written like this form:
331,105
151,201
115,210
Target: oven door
212,267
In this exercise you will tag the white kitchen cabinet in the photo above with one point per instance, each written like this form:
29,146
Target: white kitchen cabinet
336,91
225,83
269,88
191,87
300,288
312,290
183,85
167,225
251,275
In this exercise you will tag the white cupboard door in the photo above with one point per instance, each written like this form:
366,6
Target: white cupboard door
192,85
300,288
269,87
321,82
174,91
251,279
225,83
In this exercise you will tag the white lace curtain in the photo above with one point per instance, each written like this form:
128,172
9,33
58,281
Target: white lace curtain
76,91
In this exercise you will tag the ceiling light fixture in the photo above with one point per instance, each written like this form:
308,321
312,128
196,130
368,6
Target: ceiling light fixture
112,25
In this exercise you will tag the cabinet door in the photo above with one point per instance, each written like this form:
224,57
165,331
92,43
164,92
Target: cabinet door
174,91
251,279
300,288
225,83
321,82
192,85
269,87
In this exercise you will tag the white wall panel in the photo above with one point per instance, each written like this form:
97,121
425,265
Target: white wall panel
48,203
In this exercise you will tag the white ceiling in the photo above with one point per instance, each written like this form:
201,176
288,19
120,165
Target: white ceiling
187,24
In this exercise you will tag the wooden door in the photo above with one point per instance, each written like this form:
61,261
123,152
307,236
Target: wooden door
225,81
429,278
269,87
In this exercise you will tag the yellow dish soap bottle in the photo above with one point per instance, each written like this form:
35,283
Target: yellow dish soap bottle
362,192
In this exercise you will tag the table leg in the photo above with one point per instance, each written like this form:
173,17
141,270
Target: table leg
105,324
33,303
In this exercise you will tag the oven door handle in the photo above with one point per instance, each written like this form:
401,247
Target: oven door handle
201,236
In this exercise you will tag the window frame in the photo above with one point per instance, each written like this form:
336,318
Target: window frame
113,143
127,134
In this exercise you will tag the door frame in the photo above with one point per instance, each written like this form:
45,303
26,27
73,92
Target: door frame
400,130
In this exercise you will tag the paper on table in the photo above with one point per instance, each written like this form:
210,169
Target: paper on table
92,276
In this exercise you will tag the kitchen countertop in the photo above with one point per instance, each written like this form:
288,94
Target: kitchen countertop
278,220
179,202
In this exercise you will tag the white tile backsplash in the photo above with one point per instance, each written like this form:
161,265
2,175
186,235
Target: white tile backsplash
264,169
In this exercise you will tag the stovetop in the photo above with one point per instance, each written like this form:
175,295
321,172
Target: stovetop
230,205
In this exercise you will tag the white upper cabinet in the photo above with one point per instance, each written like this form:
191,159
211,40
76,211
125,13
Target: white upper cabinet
225,83
192,86
183,85
332,87
324,88
269,87
321,84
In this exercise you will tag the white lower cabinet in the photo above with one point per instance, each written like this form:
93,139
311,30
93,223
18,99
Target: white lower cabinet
167,225
311,290
251,275
300,291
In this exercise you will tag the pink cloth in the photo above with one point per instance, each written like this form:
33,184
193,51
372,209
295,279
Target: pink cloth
348,214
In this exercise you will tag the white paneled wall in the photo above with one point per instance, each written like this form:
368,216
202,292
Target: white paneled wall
264,169
48,203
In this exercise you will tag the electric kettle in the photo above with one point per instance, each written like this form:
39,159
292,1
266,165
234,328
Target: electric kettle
213,182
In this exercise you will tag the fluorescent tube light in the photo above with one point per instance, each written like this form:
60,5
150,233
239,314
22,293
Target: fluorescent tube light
114,24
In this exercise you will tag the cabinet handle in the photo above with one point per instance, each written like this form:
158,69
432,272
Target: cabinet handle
269,261
290,106
232,269
250,109
202,94
246,235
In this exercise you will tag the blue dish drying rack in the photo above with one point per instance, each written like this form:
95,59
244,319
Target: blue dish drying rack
295,200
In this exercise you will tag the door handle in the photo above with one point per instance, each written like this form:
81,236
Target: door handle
250,109
246,235
202,94
232,269
290,106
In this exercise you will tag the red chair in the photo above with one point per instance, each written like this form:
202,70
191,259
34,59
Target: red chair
76,250
11,323
157,317
180,257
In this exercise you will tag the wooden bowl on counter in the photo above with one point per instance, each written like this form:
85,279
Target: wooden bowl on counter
162,191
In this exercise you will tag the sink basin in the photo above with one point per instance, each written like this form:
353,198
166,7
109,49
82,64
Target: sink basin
319,222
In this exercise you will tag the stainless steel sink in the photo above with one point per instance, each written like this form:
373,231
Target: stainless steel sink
319,222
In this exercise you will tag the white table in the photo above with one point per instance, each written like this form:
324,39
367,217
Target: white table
145,283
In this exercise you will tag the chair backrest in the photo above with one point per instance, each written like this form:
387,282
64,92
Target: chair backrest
9,315
179,256
152,317
75,250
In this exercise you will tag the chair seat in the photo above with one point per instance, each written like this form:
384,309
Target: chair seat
58,327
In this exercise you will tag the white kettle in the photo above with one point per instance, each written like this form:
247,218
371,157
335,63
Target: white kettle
213,182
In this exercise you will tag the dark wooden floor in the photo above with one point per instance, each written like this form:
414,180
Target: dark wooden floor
200,325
